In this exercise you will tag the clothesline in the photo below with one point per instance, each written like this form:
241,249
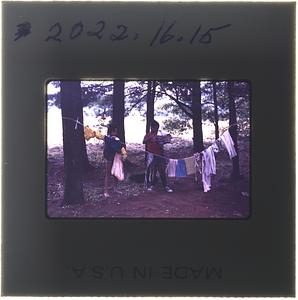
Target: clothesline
75,121
158,155
203,161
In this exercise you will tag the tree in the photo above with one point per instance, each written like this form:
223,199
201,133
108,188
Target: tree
73,134
233,130
119,108
180,93
241,94
98,95
215,110
198,145
136,94
150,103
187,96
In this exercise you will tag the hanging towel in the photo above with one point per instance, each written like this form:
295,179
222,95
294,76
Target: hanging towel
117,167
211,159
208,167
228,143
190,165
171,168
181,168
206,177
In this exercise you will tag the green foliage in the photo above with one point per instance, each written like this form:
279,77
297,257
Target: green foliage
98,95
176,126
172,98
55,84
54,99
136,96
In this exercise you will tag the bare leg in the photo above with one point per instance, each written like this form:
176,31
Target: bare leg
108,167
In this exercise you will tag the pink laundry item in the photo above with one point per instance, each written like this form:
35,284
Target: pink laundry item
117,167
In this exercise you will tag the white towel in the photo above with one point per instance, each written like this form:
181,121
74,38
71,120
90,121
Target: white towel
190,165
228,143
208,167
171,168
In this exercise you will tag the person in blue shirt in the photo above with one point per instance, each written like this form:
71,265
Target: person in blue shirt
112,145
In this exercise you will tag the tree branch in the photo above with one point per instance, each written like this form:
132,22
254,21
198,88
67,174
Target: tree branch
135,104
212,103
180,105
133,92
184,107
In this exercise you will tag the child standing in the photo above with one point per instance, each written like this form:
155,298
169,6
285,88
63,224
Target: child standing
112,145
155,158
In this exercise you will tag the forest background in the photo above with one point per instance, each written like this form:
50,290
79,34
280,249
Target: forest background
195,113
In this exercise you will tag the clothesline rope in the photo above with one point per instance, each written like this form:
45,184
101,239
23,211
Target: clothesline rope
75,121
78,122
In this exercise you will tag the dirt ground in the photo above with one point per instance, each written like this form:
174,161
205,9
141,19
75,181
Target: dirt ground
227,199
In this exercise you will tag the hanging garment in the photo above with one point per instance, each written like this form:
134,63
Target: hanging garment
150,169
190,165
181,168
197,157
228,143
198,166
215,147
206,177
171,168
208,167
117,167
88,133
99,135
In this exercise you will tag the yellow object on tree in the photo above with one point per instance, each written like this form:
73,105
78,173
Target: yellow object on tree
88,133
99,135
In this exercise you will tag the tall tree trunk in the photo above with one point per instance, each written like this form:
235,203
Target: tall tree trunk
72,142
197,116
150,108
84,156
215,110
150,104
233,131
119,108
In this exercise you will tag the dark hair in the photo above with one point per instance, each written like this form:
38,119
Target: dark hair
154,123
111,128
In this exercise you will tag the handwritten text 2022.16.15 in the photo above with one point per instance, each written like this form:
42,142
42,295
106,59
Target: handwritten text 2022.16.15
165,33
